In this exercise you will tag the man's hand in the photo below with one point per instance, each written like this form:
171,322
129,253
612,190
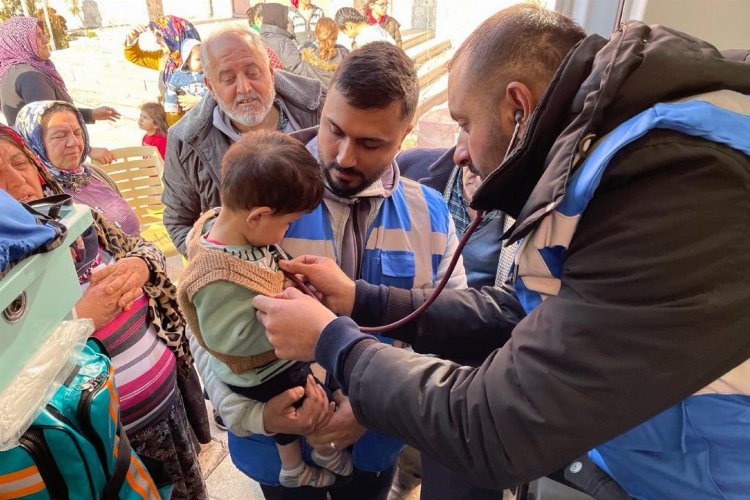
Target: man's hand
105,113
333,286
187,101
342,429
102,155
293,323
124,279
280,415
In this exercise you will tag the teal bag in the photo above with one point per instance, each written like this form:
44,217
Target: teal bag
76,448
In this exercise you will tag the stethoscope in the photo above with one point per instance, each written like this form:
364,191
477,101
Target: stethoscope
518,117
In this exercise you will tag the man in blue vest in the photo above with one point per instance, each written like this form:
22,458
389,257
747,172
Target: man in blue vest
377,227
626,164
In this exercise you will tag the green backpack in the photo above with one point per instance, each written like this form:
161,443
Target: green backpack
76,447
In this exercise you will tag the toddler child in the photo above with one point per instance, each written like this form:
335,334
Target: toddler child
153,123
268,181
186,85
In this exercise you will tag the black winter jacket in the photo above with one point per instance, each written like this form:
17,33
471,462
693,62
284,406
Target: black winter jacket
653,304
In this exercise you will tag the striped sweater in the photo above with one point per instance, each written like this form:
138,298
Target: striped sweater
145,374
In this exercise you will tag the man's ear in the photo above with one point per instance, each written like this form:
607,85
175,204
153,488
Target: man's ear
407,132
209,85
255,215
519,98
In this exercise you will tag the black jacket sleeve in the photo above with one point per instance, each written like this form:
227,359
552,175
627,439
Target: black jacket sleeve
464,324
34,86
88,115
652,307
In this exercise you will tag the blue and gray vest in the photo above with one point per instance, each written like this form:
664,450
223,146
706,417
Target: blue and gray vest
700,447
404,245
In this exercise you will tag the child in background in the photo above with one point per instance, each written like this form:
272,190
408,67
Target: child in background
153,123
268,181
187,85
255,17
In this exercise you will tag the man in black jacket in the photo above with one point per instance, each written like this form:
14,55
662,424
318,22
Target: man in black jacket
625,332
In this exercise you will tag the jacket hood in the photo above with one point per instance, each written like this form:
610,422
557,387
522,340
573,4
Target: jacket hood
187,46
268,31
275,14
599,85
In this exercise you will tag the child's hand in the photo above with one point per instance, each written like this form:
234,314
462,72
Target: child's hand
280,415
187,101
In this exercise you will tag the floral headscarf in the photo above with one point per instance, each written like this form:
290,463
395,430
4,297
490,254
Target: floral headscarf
18,46
174,30
29,126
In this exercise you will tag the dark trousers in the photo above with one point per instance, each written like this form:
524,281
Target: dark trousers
360,486
294,376
441,483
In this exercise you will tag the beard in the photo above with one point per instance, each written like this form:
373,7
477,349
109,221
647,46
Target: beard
344,188
252,117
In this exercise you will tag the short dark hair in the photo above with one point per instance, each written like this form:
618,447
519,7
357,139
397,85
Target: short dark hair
270,169
377,75
525,42
349,15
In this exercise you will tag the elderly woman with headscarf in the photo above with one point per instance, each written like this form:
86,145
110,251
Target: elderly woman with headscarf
27,74
131,301
56,132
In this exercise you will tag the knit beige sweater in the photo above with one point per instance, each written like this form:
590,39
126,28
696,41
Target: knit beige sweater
206,266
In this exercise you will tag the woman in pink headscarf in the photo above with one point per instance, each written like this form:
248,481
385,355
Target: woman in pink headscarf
27,75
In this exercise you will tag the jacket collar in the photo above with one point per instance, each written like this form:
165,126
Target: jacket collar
598,86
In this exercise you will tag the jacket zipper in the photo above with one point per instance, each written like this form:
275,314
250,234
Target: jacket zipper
360,254
88,391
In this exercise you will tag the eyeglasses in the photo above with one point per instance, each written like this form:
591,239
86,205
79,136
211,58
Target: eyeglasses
382,5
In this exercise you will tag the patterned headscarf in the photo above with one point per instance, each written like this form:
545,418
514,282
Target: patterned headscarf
48,183
18,46
174,30
29,126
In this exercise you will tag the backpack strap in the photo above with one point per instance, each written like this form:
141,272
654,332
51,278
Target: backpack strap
34,443
114,485
51,205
